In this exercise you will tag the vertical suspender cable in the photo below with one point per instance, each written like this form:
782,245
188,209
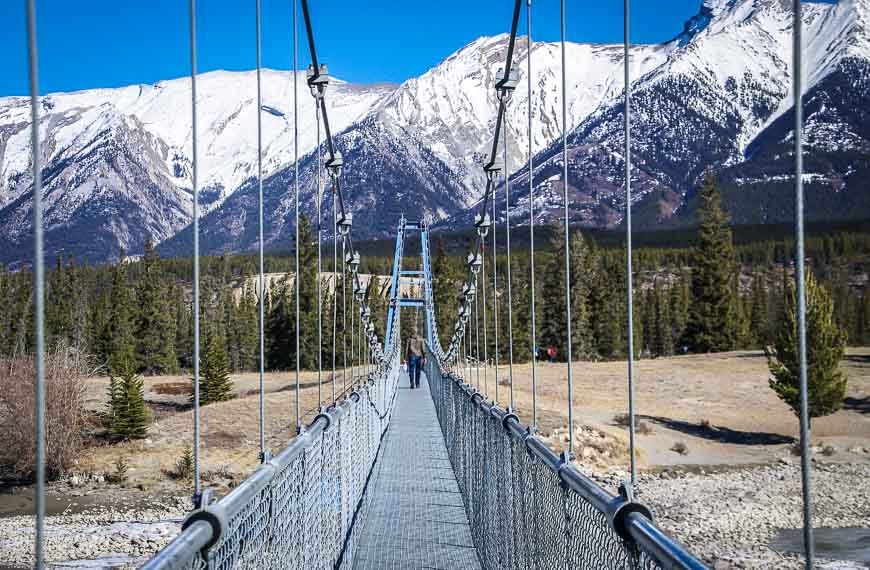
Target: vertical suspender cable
495,289
567,237
260,218
534,342
38,284
629,285
195,179
507,225
352,333
476,335
483,293
334,284
806,483
344,313
296,197
319,263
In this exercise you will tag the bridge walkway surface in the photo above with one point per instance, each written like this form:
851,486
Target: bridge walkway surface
417,519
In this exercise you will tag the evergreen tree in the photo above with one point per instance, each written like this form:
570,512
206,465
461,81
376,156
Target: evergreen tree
248,320
215,382
863,336
681,298
307,295
118,338
582,272
127,416
445,287
713,318
553,322
663,343
759,319
278,325
155,330
826,383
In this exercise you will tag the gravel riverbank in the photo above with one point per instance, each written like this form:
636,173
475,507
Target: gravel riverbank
104,537
727,517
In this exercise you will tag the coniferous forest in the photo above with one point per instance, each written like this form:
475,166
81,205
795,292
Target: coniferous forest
704,293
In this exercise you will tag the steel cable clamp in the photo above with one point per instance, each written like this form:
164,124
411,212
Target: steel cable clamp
214,514
622,507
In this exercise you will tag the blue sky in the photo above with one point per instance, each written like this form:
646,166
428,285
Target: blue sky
101,43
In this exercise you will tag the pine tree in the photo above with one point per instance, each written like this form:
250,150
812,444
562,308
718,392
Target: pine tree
713,318
278,327
215,384
119,335
445,288
155,330
759,320
863,336
582,273
307,295
553,322
826,383
681,298
663,343
127,416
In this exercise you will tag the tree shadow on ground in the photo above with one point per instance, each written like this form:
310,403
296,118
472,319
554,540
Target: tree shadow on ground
860,405
721,434
858,358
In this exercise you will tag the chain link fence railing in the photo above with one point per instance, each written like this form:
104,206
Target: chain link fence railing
530,509
305,507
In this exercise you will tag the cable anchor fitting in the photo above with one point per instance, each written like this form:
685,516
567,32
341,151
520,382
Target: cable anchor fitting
318,80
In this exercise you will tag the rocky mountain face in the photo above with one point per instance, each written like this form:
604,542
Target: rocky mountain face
117,161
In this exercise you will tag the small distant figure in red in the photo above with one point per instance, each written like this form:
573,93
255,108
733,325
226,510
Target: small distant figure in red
551,353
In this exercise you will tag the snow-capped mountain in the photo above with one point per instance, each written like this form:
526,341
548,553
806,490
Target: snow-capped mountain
117,161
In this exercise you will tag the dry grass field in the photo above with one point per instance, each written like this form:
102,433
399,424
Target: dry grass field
718,408
230,434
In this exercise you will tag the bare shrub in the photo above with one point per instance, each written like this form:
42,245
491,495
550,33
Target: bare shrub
623,420
64,412
680,448
219,473
643,428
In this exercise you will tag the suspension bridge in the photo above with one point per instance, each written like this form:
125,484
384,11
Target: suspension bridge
387,477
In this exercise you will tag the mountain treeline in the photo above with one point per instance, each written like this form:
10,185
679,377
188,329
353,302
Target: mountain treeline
140,311
710,298
138,314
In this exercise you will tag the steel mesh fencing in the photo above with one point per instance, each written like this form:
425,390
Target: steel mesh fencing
530,509
305,507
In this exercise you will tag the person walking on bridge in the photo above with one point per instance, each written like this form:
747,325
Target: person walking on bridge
415,354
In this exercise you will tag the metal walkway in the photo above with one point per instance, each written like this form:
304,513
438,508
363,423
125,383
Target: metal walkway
417,518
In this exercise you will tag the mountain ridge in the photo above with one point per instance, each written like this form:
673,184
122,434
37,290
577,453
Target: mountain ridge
118,164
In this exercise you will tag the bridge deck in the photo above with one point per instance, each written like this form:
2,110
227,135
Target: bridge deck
417,519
